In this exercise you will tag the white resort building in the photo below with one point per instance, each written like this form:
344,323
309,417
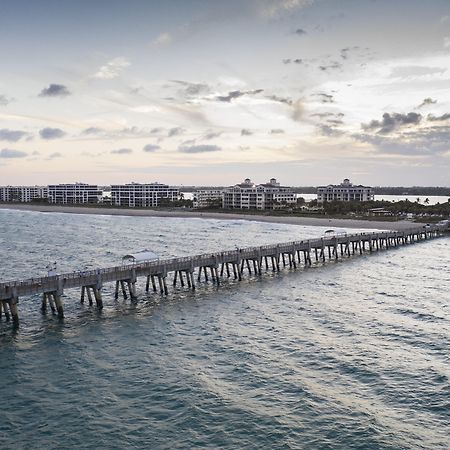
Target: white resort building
344,192
22,194
142,195
248,195
204,197
77,193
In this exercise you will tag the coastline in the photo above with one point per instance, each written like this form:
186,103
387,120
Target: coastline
194,214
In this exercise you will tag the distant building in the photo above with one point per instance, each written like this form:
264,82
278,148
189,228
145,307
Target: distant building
248,195
344,192
22,194
204,197
142,195
77,193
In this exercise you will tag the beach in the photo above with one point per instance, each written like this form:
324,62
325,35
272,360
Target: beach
193,214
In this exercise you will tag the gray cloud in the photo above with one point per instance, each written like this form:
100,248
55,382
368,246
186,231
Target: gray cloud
276,98
11,153
300,32
122,151
55,90
245,132
325,98
297,111
4,100
199,148
414,71
429,141
286,60
151,148
323,115
92,131
176,131
192,89
427,101
433,118
236,94
276,131
55,155
391,122
211,135
13,135
332,66
327,130
51,133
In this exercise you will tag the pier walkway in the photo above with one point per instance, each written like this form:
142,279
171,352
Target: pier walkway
212,266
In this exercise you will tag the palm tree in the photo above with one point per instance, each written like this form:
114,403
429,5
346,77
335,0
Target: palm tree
427,201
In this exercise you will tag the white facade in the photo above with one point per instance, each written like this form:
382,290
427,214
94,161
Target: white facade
203,197
344,192
142,195
77,193
22,194
248,195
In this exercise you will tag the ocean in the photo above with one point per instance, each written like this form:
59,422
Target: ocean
353,354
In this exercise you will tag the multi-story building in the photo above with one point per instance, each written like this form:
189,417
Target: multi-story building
74,193
248,195
143,195
205,197
22,194
344,192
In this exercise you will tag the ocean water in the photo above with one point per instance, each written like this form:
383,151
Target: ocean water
347,355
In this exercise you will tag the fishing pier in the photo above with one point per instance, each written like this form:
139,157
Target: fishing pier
213,267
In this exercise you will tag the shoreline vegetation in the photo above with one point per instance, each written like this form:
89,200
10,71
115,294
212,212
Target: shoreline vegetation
256,216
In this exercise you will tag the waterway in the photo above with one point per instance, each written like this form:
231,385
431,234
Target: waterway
353,354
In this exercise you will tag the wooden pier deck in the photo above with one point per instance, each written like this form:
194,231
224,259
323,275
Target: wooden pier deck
187,270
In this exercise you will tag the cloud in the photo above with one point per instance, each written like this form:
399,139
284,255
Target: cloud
327,130
331,66
325,98
55,155
176,131
162,40
429,141
11,153
192,89
245,132
300,32
211,135
4,100
122,151
287,60
199,148
323,115
51,133
276,98
415,71
447,42
391,122
297,111
112,69
433,118
427,101
92,131
151,148
276,131
236,94
55,90
13,135
275,8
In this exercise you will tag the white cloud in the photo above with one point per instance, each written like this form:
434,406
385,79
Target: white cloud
273,8
112,69
447,42
163,39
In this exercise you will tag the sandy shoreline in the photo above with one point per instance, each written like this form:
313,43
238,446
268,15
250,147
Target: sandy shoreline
192,214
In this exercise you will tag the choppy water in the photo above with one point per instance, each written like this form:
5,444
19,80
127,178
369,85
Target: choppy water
354,354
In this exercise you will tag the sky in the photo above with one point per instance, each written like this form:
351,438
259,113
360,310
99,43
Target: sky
208,92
